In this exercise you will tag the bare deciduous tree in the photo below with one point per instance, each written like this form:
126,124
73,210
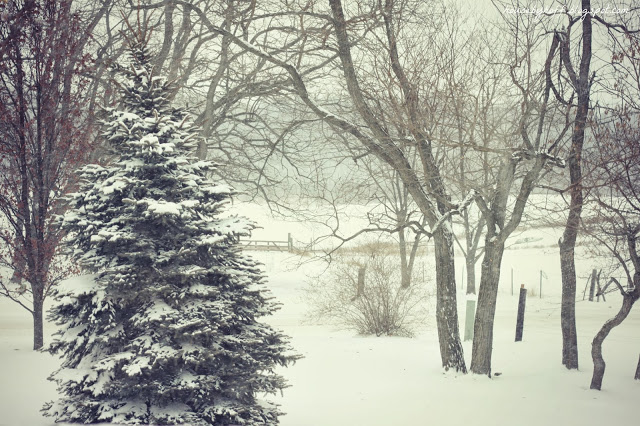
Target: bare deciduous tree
615,224
536,136
43,137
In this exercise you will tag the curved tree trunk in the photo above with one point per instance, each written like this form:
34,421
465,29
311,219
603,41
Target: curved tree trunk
596,347
451,350
485,313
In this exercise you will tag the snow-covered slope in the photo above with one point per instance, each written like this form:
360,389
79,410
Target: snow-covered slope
350,380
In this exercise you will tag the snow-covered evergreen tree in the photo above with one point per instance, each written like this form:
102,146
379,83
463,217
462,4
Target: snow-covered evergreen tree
167,330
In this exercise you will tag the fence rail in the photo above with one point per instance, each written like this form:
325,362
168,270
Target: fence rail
270,245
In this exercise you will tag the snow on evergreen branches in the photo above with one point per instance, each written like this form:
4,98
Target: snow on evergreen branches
166,331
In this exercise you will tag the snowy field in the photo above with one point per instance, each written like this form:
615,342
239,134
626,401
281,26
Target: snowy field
350,380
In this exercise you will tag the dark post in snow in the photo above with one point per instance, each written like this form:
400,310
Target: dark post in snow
542,275
593,285
599,292
520,321
360,288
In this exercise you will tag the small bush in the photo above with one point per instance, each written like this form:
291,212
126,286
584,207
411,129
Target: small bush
383,307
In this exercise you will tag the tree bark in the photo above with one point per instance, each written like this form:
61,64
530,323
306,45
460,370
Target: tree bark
470,262
485,312
568,242
38,334
405,272
451,350
568,302
596,347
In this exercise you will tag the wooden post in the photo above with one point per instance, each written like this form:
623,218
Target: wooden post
469,319
593,285
521,305
540,292
542,275
512,281
360,281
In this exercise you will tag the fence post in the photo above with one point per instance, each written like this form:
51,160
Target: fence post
521,305
542,275
599,292
360,281
512,281
470,317
593,285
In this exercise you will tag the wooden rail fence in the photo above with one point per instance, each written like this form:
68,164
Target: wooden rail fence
270,245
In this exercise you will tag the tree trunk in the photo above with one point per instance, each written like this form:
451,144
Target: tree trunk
596,347
486,310
405,272
407,260
470,261
38,334
446,306
568,303
637,376
581,82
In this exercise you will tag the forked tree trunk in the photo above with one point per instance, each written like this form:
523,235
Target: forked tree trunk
596,347
451,350
485,313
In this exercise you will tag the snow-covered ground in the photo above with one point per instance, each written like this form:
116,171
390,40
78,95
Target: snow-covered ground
350,380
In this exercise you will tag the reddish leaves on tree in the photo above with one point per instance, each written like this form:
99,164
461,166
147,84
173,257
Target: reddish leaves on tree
44,136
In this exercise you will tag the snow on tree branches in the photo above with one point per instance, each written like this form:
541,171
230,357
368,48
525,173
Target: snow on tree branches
166,331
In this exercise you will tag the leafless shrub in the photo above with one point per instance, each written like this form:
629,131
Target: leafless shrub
381,307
